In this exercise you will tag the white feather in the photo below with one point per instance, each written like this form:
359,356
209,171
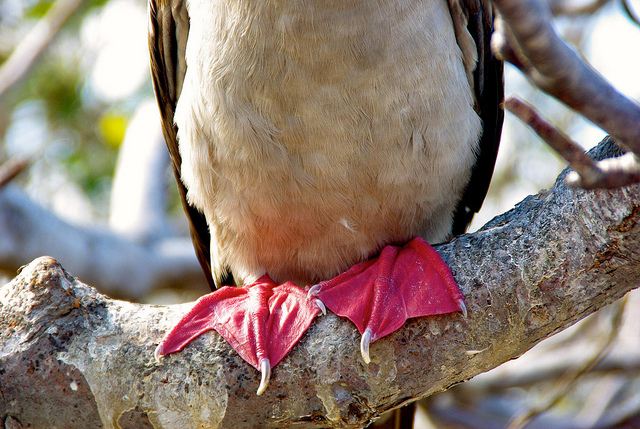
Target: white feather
298,115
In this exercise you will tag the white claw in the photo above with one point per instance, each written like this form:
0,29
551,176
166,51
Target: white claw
157,353
313,290
321,306
265,370
463,308
364,345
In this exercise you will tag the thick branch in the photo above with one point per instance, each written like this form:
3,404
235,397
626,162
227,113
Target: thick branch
72,358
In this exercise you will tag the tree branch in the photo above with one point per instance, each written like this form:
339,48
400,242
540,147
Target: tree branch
525,37
11,168
113,262
139,251
631,12
575,7
35,43
555,68
601,397
74,358
588,174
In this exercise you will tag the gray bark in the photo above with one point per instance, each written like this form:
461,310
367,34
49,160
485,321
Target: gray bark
70,357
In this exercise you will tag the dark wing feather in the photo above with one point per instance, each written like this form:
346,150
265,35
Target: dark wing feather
489,94
168,31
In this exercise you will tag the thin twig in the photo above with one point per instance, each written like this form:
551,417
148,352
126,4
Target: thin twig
589,174
567,382
567,148
35,43
11,168
616,172
631,12
575,7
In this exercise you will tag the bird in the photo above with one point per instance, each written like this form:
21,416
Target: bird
317,139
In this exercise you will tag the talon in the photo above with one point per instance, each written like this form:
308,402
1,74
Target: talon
158,352
321,306
265,370
463,307
364,345
313,290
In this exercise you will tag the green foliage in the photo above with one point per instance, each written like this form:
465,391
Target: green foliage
97,3
56,85
38,9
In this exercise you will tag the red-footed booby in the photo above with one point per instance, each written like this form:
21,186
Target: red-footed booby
322,144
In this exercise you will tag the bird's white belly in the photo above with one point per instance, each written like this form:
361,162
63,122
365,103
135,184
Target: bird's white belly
312,135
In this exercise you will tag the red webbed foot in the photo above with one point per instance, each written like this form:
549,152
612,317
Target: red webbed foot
380,294
261,321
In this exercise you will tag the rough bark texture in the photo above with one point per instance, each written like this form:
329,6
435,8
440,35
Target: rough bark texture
70,357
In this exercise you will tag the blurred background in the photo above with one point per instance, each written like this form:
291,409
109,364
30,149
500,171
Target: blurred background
77,108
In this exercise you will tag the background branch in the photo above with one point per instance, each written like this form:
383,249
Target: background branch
588,174
525,37
575,7
139,251
119,265
35,43
631,12
11,168
529,273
